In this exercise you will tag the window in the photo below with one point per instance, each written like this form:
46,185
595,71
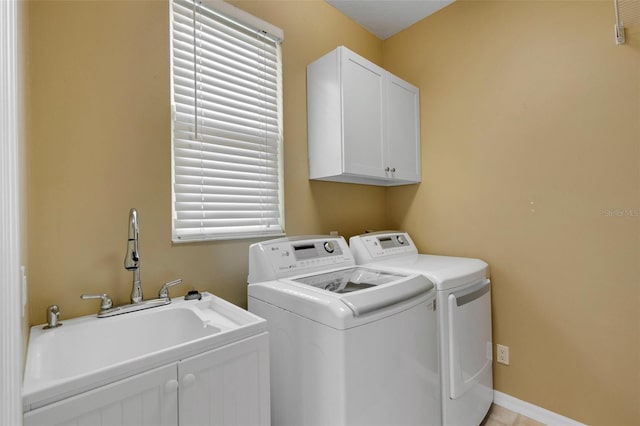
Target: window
226,92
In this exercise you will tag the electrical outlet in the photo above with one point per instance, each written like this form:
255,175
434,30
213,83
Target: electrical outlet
502,353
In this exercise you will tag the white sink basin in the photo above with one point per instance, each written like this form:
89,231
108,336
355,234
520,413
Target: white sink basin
88,352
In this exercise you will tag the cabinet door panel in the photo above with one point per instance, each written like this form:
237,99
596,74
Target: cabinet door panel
138,400
403,129
227,386
362,102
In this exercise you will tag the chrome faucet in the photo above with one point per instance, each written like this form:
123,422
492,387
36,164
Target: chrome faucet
132,263
132,258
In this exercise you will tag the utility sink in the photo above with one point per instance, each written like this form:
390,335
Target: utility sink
88,352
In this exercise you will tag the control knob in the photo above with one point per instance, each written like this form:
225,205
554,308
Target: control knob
328,246
401,239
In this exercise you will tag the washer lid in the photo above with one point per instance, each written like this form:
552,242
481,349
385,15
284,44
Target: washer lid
349,280
345,298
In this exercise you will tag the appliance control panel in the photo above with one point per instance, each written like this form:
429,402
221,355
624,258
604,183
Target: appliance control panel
368,247
291,256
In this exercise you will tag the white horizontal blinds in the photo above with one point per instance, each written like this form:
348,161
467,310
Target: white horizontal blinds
227,126
629,11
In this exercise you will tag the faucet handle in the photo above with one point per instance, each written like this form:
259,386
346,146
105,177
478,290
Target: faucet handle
164,291
107,303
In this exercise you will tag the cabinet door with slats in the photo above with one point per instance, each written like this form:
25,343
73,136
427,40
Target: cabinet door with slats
149,398
227,386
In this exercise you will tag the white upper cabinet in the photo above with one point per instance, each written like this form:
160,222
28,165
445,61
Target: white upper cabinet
362,117
403,130
363,122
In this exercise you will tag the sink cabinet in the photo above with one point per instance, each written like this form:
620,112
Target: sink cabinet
363,122
143,399
225,386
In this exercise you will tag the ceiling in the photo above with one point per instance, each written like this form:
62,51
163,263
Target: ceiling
385,18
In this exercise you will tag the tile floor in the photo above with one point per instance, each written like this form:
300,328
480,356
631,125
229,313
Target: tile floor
500,416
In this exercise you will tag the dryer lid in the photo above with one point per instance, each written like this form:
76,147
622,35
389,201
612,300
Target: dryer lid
445,272
396,251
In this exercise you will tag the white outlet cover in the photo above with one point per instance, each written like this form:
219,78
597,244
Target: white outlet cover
502,354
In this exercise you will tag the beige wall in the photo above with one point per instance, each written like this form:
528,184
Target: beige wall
530,137
521,102
99,144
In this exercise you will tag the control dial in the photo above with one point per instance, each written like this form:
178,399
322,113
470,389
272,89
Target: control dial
401,240
328,246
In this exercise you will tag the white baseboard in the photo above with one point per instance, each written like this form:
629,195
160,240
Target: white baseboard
534,412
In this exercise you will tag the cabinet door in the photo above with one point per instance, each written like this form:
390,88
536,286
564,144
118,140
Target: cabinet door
149,398
363,119
403,130
227,386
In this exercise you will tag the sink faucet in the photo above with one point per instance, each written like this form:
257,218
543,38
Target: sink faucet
132,258
132,263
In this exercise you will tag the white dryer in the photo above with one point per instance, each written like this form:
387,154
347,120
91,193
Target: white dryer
348,345
464,319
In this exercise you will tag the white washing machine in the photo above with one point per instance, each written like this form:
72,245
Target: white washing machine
348,345
464,319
